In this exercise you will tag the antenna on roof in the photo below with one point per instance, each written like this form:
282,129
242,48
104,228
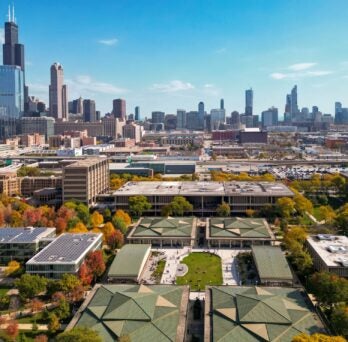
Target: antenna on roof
13,14
9,13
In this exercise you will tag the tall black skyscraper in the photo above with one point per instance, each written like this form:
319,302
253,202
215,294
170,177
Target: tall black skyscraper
222,104
137,113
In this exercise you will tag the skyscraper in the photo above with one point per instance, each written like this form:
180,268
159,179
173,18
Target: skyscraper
181,119
293,102
89,112
157,117
222,104
137,113
249,95
119,108
58,97
269,117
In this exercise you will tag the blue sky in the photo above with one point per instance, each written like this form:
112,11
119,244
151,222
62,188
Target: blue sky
164,55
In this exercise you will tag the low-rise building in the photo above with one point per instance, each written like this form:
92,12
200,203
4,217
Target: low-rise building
329,253
129,263
64,255
161,232
240,232
22,243
272,266
257,314
143,313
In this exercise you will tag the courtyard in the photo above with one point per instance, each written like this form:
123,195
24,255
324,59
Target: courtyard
203,268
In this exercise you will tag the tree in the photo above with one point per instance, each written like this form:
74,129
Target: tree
53,324
12,267
286,206
82,334
85,274
36,305
223,209
179,205
96,219
302,204
108,230
115,240
327,214
339,319
124,216
317,338
138,204
28,171
250,212
41,338
68,283
79,228
12,329
107,215
30,286
63,309
95,262
61,225
328,288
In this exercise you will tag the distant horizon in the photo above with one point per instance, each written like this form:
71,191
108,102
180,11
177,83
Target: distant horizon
166,56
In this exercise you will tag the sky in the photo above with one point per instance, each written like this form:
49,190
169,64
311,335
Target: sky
170,54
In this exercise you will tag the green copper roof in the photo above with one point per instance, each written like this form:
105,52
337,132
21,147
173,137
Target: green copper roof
237,227
271,263
128,261
260,314
164,227
144,313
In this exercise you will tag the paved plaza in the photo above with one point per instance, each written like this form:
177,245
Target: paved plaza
228,260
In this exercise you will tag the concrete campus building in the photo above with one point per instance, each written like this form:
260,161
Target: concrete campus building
85,179
204,196
64,255
329,253
23,243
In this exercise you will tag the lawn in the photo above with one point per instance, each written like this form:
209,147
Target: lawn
316,213
203,269
4,290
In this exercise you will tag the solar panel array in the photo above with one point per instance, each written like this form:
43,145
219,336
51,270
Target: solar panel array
23,235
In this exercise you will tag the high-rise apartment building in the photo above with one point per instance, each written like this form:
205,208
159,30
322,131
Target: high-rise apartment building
58,97
85,179
217,117
119,108
269,117
222,104
293,102
137,113
249,98
157,117
89,112
181,119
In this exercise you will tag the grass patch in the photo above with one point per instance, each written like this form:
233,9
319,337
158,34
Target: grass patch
38,318
305,220
4,290
203,269
157,273
316,213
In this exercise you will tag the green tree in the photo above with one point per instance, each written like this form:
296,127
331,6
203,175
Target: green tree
327,214
63,309
286,206
339,319
30,286
53,324
28,171
68,283
223,209
302,204
317,338
138,204
83,334
180,205
119,224
341,221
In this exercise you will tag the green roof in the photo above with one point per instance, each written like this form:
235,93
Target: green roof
271,263
260,314
238,227
128,261
164,227
144,313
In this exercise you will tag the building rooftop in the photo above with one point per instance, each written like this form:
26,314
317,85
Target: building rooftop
24,235
332,249
205,188
271,263
67,249
163,227
144,313
131,255
237,227
260,314
85,162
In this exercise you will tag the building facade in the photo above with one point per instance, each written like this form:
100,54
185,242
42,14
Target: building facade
58,97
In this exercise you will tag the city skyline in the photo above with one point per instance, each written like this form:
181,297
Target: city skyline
159,65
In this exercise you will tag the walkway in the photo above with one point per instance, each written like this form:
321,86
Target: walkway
27,326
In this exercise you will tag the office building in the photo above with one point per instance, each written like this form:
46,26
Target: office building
269,117
181,119
132,131
21,244
137,113
85,179
204,196
89,112
58,97
43,125
119,109
201,115
157,117
140,312
76,106
64,255
112,127
249,98
170,122
9,184
292,105
235,120
94,129
329,253
222,104
217,118
253,136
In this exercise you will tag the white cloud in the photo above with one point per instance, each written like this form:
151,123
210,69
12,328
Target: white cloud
108,42
2,36
298,75
301,66
172,86
278,75
209,85
83,84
